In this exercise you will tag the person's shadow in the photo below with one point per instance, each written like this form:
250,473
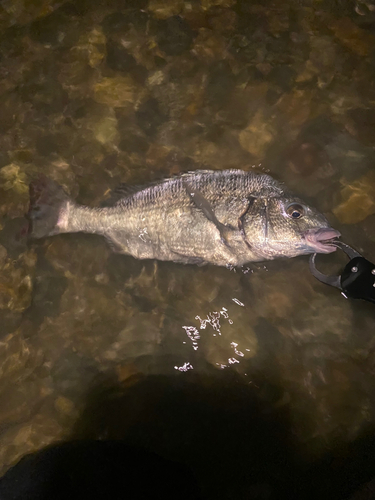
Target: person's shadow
185,436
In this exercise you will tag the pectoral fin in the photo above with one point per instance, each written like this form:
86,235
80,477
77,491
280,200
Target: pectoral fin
205,207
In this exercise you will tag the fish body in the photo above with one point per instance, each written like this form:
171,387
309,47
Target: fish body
228,217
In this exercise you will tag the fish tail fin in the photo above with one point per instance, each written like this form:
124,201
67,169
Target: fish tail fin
48,208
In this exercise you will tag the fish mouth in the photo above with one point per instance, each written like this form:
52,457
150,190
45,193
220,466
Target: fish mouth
322,240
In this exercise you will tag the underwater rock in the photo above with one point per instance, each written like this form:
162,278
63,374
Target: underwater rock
257,136
89,318
3,256
19,402
118,91
17,359
355,39
65,407
48,287
13,109
174,35
133,142
119,23
52,144
118,58
238,106
140,337
75,74
60,28
358,200
149,116
324,54
106,130
362,125
349,156
16,285
223,22
297,106
227,340
163,9
42,90
134,4
343,98
325,60
174,99
92,45
321,319
12,177
23,12
84,262
15,290
306,158
278,296
128,374
104,127
158,77
283,76
278,21
115,23
208,4
161,158
209,46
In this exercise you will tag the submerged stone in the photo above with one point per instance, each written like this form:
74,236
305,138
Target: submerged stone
119,23
208,4
149,116
305,158
13,177
163,9
118,58
174,35
257,136
297,106
3,256
118,91
92,44
362,124
358,200
352,37
57,29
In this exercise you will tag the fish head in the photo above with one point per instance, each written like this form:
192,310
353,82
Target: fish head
286,226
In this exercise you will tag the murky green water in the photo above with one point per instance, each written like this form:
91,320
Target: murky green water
259,378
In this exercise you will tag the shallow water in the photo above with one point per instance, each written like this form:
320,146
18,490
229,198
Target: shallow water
260,378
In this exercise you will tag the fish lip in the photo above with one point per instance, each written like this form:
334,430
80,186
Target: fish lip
320,240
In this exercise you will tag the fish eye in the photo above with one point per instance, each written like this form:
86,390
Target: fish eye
295,211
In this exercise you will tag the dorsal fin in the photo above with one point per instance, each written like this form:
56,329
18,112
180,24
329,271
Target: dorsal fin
125,190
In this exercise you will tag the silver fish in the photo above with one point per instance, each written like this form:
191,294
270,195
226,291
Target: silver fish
226,218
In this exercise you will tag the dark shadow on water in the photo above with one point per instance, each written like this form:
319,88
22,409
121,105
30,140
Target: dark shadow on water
97,470
159,436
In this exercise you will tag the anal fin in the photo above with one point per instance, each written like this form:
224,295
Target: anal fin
115,245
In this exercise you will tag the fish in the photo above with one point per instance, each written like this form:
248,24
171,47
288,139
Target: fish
225,218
